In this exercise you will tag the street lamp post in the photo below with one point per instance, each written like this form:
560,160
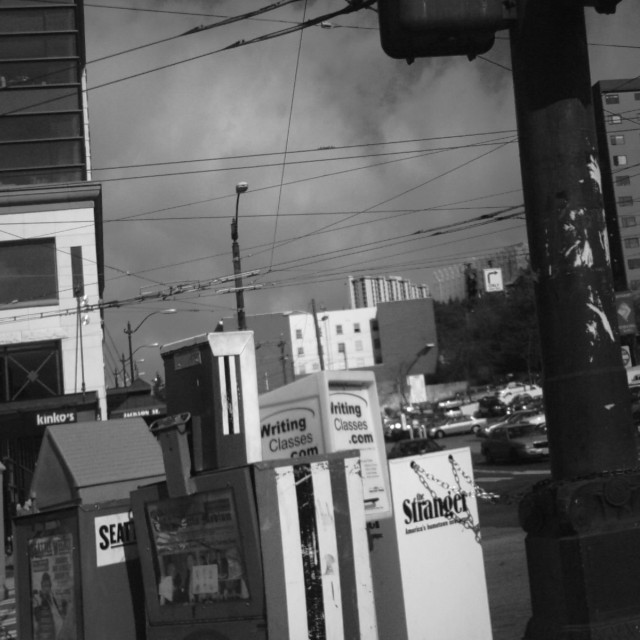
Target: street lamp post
241,187
129,331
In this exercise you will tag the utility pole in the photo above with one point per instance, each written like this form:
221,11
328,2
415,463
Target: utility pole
241,187
283,359
583,527
317,328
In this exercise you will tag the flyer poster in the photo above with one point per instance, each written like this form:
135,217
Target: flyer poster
198,548
52,587
353,426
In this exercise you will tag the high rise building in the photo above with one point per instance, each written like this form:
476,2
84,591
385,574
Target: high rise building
51,253
617,114
369,291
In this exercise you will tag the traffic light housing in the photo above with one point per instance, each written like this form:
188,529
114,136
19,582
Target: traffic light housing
426,28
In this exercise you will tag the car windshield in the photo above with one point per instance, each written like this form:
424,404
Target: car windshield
522,430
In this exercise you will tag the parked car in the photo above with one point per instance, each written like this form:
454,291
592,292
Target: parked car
450,427
491,407
530,416
516,442
413,447
453,402
513,389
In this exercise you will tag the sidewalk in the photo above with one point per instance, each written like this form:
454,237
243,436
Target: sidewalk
507,581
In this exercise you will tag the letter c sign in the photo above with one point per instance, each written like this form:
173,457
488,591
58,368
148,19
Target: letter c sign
493,280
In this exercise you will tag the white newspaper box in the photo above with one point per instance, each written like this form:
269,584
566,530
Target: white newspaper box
427,562
327,412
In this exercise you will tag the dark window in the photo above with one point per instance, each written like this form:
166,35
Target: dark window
356,327
44,154
625,201
28,274
34,127
619,139
18,47
299,334
41,176
339,329
30,371
629,221
612,98
632,243
38,20
622,181
24,73
619,161
36,100
341,347
634,263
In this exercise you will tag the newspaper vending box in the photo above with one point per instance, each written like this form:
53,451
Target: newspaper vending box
77,568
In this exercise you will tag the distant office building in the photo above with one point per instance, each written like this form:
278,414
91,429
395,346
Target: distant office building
616,107
369,291
51,252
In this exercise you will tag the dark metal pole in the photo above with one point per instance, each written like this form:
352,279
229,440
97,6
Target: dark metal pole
583,526
129,332
317,328
241,187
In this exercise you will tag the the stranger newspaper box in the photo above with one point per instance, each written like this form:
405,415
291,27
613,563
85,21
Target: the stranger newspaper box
427,562
77,567
273,550
326,412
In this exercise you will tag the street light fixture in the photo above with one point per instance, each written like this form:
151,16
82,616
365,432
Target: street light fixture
129,331
241,187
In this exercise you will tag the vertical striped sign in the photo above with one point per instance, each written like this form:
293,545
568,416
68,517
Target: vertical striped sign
318,582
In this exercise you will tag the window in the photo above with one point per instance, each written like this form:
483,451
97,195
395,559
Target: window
612,98
634,263
28,273
622,181
41,128
636,96
356,327
632,243
614,119
339,329
619,161
358,345
625,201
616,139
341,347
298,334
629,221
30,371
300,351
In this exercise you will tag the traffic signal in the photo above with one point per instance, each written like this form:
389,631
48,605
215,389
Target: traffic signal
425,28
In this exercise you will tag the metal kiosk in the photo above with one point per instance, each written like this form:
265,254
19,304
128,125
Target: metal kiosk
77,567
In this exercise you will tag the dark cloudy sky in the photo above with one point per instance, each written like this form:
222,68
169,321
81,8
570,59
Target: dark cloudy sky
415,148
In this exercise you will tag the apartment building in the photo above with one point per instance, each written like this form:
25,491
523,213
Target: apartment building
51,251
617,114
368,291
